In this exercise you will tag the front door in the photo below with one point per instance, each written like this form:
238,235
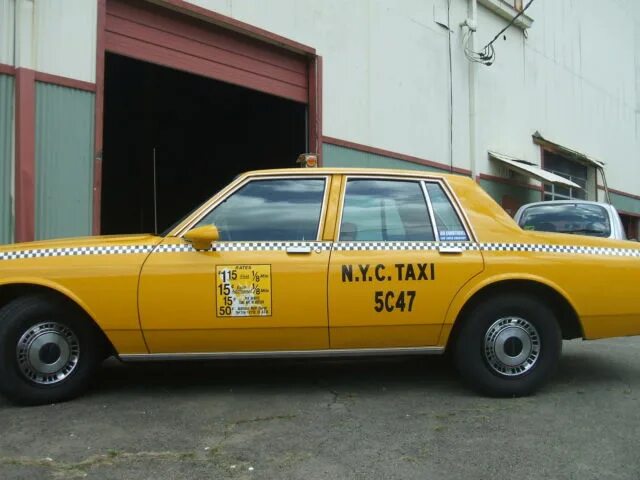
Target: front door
262,287
399,260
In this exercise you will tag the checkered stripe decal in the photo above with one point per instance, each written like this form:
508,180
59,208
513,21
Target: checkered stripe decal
322,246
357,246
76,251
248,247
573,249
487,247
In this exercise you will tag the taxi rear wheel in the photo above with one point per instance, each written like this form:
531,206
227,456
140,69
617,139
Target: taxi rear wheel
48,351
508,346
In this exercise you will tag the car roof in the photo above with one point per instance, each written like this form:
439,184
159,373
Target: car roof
347,171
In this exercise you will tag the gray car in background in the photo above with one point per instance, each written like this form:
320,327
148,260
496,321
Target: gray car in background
579,217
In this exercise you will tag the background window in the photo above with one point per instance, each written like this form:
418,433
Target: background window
385,210
574,171
265,210
447,221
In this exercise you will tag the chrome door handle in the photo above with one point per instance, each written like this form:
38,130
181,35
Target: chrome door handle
450,250
298,249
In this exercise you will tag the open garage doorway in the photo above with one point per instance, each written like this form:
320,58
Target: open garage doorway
201,133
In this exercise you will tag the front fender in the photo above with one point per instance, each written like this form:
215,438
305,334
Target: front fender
51,285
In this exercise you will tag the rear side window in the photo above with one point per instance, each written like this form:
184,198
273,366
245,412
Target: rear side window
265,210
385,210
450,228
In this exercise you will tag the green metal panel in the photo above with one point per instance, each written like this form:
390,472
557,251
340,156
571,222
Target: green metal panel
64,161
498,191
7,102
337,156
624,203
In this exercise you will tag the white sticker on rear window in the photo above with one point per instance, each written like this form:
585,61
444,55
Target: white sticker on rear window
453,235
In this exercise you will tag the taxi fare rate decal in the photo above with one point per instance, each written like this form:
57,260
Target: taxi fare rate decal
389,300
243,290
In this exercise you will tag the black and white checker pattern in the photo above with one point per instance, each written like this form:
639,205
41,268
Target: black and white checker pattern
363,246
570,249
322,246
76,251
270,246
488,247
247,247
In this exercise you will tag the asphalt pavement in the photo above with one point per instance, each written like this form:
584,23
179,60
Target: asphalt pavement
385,418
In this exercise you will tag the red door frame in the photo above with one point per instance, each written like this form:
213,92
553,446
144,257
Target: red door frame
182,7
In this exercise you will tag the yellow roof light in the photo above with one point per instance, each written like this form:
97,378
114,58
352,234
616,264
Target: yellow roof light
308,160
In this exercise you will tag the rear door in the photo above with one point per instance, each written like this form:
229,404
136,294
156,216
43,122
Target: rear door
262,287
402,253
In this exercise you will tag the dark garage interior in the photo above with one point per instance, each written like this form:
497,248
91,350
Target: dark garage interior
204,132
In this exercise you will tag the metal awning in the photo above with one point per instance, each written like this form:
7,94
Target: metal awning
532,170
567,152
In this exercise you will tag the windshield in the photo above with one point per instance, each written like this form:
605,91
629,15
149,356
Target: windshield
578,218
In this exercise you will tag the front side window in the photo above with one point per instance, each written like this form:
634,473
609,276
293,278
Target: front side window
385,210
270,210
580,218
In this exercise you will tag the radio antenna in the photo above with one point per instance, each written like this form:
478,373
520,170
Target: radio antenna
155,195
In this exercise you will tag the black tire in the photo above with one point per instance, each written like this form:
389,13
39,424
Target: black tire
489,334
45,317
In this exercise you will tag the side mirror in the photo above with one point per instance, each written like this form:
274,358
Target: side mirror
202,237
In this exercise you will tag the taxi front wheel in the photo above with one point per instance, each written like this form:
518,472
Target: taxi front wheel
508,345
48,351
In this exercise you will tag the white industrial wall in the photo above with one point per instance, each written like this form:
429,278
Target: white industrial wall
386,76
573,79
53,36
386,71
7,8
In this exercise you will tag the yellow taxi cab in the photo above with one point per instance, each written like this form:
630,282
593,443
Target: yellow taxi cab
316,262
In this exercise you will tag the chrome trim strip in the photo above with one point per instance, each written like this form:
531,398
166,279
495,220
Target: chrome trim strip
450,250
298,250
434,225
355,352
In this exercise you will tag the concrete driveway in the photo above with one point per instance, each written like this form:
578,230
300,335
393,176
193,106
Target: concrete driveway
371,419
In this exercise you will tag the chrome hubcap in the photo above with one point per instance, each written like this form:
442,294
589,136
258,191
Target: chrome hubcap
48,353
511,346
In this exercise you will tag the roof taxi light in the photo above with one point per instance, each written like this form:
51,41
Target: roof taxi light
308,160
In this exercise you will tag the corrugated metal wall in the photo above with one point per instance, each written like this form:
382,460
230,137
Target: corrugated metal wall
7,101
64,161
499,190
624,203
337,156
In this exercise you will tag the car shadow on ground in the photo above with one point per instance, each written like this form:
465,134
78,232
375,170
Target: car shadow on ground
583,369
275,375
433,374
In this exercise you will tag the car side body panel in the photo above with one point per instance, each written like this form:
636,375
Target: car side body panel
99,274
598,277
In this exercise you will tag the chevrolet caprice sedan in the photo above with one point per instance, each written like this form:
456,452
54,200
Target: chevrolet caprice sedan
313,263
